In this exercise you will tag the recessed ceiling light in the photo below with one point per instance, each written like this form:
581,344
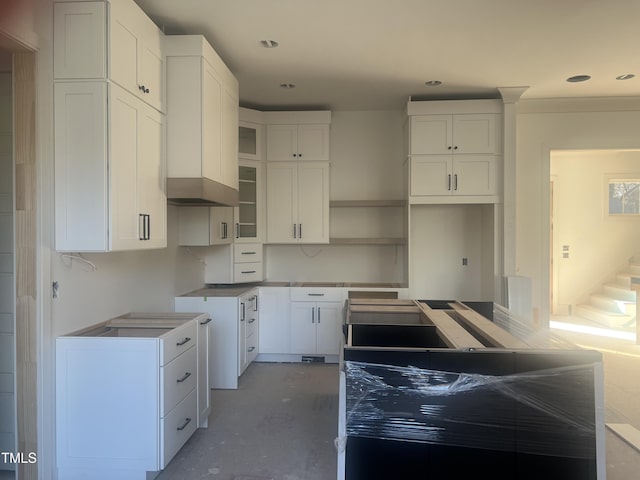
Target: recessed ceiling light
433,83
626,76
579,78
287,85
269,43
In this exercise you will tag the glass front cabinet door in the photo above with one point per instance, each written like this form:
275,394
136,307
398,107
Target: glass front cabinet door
248,215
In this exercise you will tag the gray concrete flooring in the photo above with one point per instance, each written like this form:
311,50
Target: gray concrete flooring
281,422
279,425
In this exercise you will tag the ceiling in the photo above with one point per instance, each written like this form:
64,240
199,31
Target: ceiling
374,54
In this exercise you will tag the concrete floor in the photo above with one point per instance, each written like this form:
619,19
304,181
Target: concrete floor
279,425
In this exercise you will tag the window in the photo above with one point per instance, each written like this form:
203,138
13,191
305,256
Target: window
624,197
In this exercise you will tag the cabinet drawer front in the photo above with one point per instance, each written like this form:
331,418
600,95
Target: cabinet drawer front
252,323
252,348
178,340
247,272
178,426
315,294
179,378
248,253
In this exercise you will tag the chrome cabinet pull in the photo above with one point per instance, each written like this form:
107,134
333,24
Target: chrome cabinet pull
186,375
237,230
455,181
251,349
255,303
206,321
300,231
252,320
315,294
186,339
313,314
184,425
294,231
248,253
449,181
248,271
242,318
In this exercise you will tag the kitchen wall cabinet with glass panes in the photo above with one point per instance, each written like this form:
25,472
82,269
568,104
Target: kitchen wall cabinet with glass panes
455,149
249,212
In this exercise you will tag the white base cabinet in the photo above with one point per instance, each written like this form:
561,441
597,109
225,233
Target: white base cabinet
234,333
316,321
127,394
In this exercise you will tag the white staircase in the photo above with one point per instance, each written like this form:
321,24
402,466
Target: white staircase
615,305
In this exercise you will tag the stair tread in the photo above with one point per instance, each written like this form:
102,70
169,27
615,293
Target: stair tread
600,310
604,296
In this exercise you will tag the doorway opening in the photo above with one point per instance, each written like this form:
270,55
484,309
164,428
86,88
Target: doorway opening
594,244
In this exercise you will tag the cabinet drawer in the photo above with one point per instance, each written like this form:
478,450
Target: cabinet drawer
314,294
247,272
178,426
248,253
252,348
179,340
252,324
179,378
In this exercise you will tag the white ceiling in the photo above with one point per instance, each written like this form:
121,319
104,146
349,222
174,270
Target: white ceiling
374,54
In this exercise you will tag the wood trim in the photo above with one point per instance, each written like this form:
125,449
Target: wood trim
449,331
25,251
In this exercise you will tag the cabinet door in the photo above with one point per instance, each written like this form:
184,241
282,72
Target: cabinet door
211,123
476,133
79,42
475,175
274,320
152,176
220,225
248,213
313,142
204,393
282,199
250,140
431,134
302,335
153,66
125,124
125,49
80,133
328,325
313,202
431,175
282,142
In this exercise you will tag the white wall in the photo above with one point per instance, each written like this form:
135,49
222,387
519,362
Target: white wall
7,277
122,282
440,237
599,244
366,164
544,126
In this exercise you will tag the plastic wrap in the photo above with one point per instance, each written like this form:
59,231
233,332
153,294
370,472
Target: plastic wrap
543,412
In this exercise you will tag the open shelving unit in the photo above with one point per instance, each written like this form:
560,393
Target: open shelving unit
369,240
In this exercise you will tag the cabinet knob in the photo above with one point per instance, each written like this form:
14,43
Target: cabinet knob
295,155
455,148
449,147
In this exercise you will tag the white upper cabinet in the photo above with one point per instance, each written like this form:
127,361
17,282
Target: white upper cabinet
456,134
298,135
109,170
297,202
202,113
455,151
203,226
133,56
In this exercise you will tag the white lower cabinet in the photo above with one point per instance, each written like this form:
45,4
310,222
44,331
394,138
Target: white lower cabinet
127,395
234,332
316,320
274,320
